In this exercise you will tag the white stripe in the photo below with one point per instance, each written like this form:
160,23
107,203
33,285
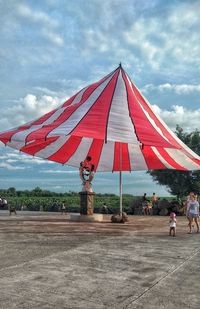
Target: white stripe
15,145
181,158
67,126
79,96
53,117
21,136
107,158
120,127
190,151
162,159
137,160
52,148
80,153
146,113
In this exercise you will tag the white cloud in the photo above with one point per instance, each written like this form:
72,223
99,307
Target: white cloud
10,167
28,108
49,26
12,156
175,43
179,89
59,172
187,119
36,16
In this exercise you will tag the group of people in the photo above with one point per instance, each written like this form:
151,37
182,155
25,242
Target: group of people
148,205
191,212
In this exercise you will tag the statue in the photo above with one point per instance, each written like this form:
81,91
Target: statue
86,172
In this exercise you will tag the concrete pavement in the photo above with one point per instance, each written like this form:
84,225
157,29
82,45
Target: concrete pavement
49,262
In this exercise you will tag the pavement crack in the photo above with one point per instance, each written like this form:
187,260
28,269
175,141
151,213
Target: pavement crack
170,272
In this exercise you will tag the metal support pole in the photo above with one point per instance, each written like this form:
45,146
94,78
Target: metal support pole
120,197
120,180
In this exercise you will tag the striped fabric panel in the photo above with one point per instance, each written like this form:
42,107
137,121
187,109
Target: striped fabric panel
120,126
52,148
137,160
95,121
36,146
146,129
35,130
166,159
81,152
107,157
153,118
172,136
152,160
84,93
95,152
68,125
66,151
182,159
42,119
121,158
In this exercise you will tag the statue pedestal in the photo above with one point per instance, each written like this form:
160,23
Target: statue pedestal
86,203
86,209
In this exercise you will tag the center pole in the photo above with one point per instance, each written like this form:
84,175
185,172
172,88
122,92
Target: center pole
120,180
120,197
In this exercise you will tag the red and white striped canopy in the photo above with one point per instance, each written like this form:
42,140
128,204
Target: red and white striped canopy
110,121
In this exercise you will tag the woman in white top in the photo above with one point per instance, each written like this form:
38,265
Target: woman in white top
193,213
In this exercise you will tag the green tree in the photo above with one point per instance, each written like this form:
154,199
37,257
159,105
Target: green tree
179,183
12,191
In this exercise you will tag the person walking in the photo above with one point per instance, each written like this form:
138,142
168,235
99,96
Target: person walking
189,198
193,213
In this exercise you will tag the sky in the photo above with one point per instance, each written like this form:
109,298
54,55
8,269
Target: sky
50,49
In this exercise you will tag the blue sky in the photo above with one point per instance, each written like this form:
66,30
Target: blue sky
50,49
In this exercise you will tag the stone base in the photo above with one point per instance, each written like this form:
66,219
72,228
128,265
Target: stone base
86,203
86,218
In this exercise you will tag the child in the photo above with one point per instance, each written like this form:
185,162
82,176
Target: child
172,224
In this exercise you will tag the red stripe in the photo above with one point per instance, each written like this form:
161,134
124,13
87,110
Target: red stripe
43,118
169,159
70,100
95,152
88,91
6,137
96,118
121,157
145,132
157,122
195,161
36,146
152,161
66,151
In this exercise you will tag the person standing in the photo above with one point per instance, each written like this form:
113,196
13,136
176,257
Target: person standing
172,224
145,202
63,208
154,200
189,198
193,213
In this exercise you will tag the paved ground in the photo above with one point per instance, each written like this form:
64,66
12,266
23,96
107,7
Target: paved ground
49,262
